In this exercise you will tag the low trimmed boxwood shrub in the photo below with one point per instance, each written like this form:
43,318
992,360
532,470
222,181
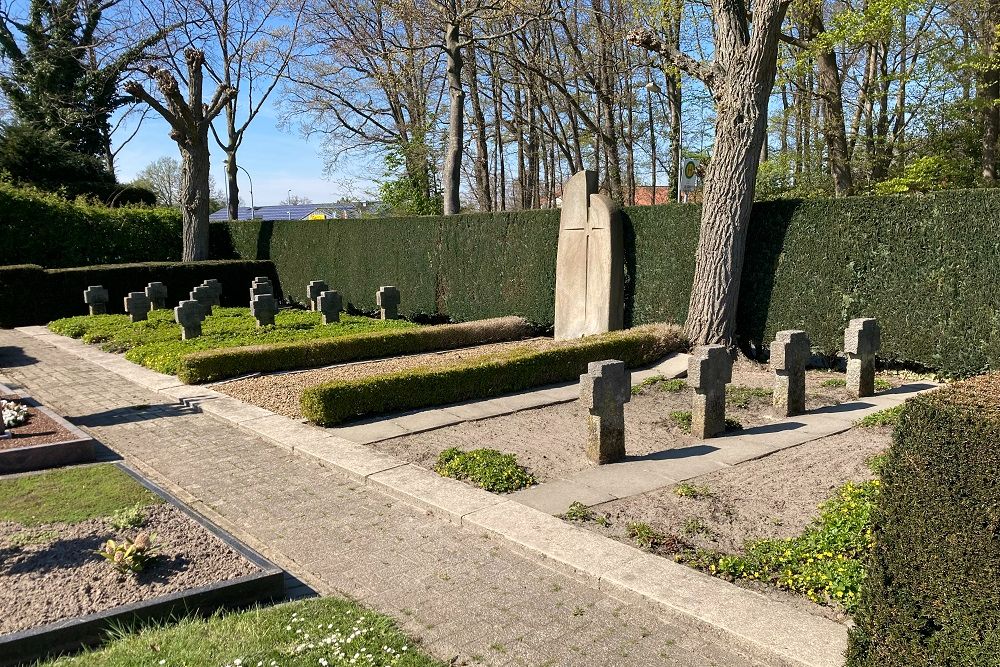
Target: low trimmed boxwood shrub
932,594
213,365
490,375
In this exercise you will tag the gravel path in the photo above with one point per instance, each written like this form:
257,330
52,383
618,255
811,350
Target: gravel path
280,392
49,573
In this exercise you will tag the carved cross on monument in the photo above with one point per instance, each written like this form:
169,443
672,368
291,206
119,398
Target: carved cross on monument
388,302
157,293
263,308
330,303
137,305
96,297
590,261
313,290
189,315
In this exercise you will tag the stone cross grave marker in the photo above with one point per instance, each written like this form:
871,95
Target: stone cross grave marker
604,390
862,341
790,352
96,297
590,261
313,290
216,290
388,302
264,308
710,369
260,286
330,303
157,294
189,314
203,295
137,305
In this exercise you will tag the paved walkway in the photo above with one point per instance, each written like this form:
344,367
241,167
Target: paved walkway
459,591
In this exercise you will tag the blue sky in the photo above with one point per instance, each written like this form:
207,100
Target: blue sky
278,160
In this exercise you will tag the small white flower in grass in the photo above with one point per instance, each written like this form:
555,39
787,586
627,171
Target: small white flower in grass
238,662
163,662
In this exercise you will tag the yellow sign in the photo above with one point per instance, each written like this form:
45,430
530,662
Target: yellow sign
316,216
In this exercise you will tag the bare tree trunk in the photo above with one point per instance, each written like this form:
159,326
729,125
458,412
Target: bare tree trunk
452,179
482,151
232,186
988,94
194,197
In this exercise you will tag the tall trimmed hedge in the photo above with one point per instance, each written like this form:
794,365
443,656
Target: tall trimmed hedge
30,294
932,594
924,266
45,229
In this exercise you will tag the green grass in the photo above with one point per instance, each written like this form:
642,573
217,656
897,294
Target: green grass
688,490
887,417
294,634
486,468
740,396
661,384
834,382
156,343
825,563
681,419
71,495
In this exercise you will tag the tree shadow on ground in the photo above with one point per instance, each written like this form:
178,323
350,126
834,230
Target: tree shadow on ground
132,414
12,356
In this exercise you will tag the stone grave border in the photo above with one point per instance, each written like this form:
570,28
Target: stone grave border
78,449
765,629
265,585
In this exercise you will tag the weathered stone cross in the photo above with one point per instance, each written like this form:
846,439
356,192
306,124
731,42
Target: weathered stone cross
137,305
313,290
590,261
215,288
96,297
263,308
862,341
388,302
260,285
604,390
710,369
330,303
157,293
189,314
790,352
204,296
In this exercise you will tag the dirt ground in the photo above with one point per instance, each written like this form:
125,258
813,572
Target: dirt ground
280,392
549,442
49,573
40,429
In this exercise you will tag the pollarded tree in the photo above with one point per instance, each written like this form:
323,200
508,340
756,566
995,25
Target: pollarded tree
189,122
740,79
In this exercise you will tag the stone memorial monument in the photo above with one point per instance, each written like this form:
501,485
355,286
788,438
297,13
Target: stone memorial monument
330,303
189,314
710,369
790,352
157,295
604,390
862,341
137,305
313,290
264,308
590,261
96,297
388,302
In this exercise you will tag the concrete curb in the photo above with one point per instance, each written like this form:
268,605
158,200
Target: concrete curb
769,631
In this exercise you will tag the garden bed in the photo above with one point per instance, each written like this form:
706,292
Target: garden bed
44,440
58,592
549,442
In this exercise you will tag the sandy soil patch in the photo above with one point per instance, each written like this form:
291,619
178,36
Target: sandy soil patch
50,572
549,441
280,392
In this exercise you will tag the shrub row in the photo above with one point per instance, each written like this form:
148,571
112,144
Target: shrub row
932,594
212,365
45,229
489,375
30,294
919,264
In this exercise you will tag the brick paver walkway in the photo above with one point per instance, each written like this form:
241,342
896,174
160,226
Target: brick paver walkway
464,595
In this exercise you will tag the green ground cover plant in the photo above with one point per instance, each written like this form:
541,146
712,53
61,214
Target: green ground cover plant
71,495
688,490
306,633
887,417
486,468
740,396
484,376
660,383
156,343
681,419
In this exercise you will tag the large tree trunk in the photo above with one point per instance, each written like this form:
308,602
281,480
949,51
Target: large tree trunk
834,130
483,190
988,93
456,121
194,198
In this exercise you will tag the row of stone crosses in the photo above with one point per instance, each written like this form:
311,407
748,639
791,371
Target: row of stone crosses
607,385
192,312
